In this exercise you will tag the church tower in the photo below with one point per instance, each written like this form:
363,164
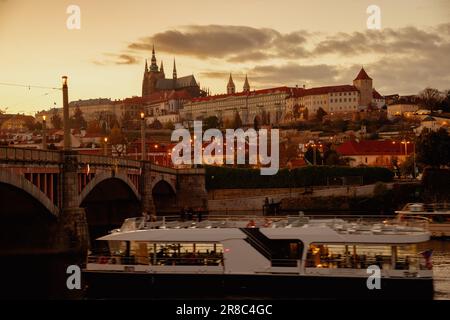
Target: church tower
231,88
246,85
365,86
152,75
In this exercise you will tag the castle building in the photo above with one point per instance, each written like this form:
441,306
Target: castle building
255,108
155,80
284,104
335,100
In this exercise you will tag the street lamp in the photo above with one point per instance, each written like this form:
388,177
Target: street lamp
44,133
143,152
314,147
105,150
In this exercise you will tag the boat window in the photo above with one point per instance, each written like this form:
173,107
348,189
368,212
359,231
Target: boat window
361,256
185,253
145,253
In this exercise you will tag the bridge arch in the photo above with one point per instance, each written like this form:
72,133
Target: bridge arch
99,178
108,199
20,182
164,197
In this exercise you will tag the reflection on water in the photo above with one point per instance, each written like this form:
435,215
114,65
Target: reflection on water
441,267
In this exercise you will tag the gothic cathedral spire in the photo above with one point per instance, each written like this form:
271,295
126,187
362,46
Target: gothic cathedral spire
174,70
153,66
161,69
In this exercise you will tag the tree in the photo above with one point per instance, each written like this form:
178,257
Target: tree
264,119
331,158
288,152
94,127
320,114
169,125
56,121
445,103
407,167
127,121
30,124
237,122
305,114
433,148
430,98
77,120
211,123
156,124
296,111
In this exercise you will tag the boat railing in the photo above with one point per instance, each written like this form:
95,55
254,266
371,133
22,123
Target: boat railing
156,260
440,207
254,221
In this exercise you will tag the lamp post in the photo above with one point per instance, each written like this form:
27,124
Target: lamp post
44,133
65,90
105,150
143,152
314,147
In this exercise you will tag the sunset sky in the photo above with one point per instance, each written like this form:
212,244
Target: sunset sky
280,42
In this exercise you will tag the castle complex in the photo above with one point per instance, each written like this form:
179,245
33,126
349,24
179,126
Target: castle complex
275,105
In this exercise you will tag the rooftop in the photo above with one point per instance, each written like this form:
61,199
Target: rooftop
373,147
370,225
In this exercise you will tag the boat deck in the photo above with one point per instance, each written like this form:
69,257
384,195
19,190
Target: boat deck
375,225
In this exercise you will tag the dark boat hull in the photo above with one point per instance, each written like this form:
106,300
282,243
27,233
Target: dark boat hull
120,285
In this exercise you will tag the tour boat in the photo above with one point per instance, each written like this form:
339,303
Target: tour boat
438,215
267,258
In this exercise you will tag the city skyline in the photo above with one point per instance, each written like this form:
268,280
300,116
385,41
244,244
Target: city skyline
299,46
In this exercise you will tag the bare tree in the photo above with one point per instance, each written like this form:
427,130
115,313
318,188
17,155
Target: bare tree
430,98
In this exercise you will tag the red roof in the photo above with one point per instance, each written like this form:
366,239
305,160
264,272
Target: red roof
362,75
373,147
329,89
377,95
157,97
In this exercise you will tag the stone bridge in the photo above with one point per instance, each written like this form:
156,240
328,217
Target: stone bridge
62,199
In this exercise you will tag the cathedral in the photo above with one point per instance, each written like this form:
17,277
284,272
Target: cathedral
155,80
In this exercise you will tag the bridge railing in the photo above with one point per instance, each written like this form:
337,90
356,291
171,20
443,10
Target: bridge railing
29,155
108,161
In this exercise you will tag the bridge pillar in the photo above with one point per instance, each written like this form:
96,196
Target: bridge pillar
191,189
73,223
147,204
